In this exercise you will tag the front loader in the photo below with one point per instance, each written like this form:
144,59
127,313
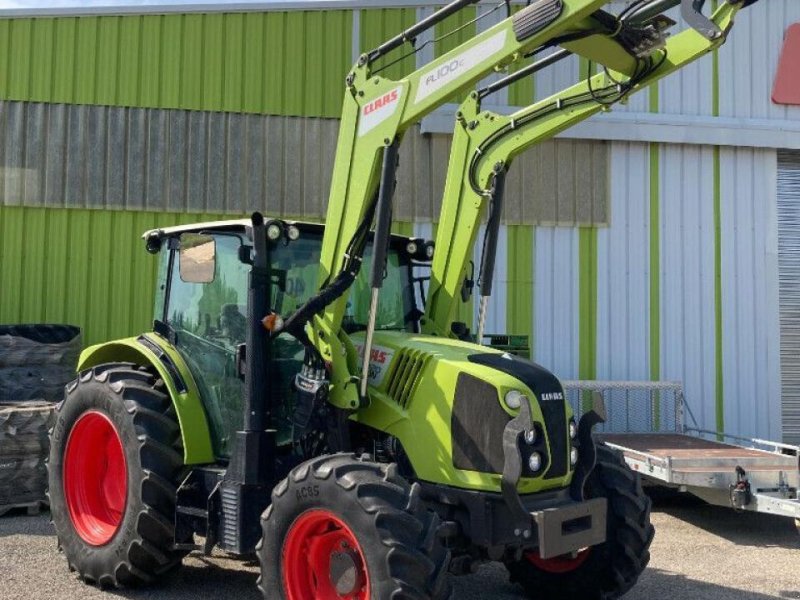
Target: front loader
288,403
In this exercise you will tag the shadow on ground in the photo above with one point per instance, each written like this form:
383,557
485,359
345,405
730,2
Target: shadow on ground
19,522
197,577
741,528
656,584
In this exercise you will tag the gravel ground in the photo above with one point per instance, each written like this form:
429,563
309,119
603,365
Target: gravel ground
700,553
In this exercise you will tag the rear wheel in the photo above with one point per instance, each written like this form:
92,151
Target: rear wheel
114,468
611,569
344,528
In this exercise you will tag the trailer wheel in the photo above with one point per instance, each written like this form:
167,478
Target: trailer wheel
611,569
344,527
114,467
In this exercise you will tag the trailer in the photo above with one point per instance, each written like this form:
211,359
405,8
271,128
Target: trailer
653,427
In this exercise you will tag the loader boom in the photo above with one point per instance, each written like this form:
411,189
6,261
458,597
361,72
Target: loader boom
485,144
377,111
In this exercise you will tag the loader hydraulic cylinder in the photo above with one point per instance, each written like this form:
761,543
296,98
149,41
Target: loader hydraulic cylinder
489,255
383,224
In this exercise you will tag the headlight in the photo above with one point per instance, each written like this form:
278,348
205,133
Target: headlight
429,250
411,247
573,429
293,232
535,462
573,456
513,399
530,437
274,231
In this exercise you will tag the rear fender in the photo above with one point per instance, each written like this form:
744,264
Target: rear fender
153,351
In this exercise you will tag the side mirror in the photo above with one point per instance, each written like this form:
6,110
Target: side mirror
198,258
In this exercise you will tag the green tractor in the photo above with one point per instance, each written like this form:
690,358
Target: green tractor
148,449
356,441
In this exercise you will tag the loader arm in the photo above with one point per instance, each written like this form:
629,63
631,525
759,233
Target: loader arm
485,144
376,112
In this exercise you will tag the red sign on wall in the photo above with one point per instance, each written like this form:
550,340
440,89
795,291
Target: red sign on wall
787,82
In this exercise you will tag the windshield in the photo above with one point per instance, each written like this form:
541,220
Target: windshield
300,261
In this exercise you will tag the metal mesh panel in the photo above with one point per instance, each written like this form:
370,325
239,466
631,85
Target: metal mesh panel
789,274
631,406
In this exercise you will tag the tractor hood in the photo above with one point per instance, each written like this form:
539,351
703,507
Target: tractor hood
445,400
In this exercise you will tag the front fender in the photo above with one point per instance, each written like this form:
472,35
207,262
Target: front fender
183,391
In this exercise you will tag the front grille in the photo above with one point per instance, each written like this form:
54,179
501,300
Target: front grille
477,426
406,374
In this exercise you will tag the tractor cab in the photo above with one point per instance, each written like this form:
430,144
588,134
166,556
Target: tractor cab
201,304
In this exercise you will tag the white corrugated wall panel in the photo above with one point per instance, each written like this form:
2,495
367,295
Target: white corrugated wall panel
623,272
554,79
688,350
750,309
639,102
690,91
556,301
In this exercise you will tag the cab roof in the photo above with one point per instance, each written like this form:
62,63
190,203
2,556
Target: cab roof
230,224
233,225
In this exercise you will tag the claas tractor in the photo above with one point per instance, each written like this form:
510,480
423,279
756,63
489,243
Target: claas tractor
306,395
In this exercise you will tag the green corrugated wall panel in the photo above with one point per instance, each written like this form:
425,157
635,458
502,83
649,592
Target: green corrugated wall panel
253,72
587,319
276,50
148,82
5,43
129,56
464,29
461,21
42,57
377,26
192,61
403,228
20,69
80,266
520,303
283,63
522,92
62,86
233,59
107,47
85,49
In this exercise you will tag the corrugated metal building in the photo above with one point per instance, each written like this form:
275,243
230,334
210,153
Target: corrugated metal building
656,242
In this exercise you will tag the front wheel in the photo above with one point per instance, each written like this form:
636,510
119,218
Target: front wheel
606,571
340,527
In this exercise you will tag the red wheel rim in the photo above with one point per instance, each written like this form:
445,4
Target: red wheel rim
95,478
559,564
322,560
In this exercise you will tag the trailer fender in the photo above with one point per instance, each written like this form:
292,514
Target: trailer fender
153,351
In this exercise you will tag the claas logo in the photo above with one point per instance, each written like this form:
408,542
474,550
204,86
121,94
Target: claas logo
382,101
375,356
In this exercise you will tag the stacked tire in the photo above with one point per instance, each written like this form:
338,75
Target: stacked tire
23,448
36,361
